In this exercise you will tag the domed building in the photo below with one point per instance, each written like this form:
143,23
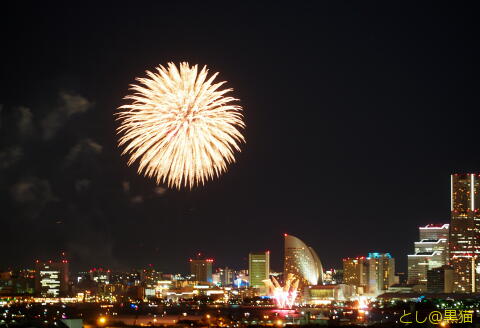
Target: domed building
302,261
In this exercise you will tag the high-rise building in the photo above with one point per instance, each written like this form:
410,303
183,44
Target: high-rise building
430,252
381,272
419,263
258,268
355,273
302,261
51,278
224,277
372,274
201,269
464,245
434,231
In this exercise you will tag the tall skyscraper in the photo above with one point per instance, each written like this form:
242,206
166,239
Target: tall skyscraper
434,231
201,269
258,268
51,278
302,261
355,273
381,272
227,276
430,252
464,242
370,275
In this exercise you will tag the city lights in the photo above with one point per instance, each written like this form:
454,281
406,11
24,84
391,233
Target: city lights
237,165
358,293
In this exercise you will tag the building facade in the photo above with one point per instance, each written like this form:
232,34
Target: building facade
355,273
381,272
51,278
201,270
464,245
430,252
258,268
226,276
302,261
372,274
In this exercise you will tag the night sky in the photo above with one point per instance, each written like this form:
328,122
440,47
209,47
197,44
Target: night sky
356,115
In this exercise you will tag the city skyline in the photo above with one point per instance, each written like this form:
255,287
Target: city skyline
239,164
349,113
426,234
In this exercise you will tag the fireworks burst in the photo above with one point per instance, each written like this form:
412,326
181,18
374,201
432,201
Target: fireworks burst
180,126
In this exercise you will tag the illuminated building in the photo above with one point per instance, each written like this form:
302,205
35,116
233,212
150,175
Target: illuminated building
430,252
258,268
201,269
216,278
328,277
241,278
355,273
227,276
51,278
333,276
319,294
464,231
17,282
302,262
420,263
100,275
381,272
434,231
372,274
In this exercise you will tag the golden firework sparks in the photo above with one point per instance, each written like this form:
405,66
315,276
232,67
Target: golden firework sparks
180,125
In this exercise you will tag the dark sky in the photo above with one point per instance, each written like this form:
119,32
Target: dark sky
356,115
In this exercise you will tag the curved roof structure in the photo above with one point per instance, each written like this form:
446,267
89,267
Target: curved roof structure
302,261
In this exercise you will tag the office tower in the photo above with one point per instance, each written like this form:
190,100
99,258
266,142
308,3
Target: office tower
355,273
464,231
258,268
224,277
302,261
440,280
201,269
227,276
372,274
51,278
434,231
381,272
430,252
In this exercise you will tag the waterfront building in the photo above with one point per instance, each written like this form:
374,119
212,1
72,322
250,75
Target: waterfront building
302,261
